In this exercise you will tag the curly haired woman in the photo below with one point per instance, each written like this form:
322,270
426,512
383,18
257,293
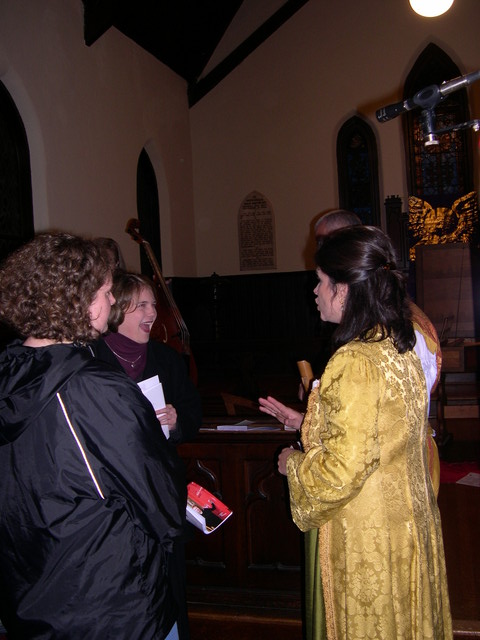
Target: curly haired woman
89,507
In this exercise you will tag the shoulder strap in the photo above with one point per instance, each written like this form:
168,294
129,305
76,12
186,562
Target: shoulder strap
79,445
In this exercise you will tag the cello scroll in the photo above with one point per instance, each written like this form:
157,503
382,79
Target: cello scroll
169,327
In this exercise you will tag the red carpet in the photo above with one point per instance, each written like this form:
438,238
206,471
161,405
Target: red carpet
453,471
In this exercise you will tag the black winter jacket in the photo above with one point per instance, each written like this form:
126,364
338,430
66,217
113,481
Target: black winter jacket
179,391
74,564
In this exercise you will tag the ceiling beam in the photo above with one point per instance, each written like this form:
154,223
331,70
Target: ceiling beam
197,90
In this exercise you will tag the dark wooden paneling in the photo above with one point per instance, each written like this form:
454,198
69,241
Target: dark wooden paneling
460,511
247,332
245,579
267,306
446,288
259,548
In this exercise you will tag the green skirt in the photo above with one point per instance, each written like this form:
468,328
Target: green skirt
315,628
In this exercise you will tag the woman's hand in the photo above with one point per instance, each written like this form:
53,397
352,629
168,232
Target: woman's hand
167,416
282,460
287,416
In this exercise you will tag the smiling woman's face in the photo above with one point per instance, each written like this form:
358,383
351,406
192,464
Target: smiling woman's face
140,317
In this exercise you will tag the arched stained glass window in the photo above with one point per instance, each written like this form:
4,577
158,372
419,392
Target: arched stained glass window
438,173
357,165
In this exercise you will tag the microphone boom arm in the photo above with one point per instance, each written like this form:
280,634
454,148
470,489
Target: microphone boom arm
471,124
427,98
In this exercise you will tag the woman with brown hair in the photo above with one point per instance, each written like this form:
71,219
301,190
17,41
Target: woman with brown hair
89,505
129,347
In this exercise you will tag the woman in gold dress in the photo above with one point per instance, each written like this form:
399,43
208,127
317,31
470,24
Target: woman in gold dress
361,487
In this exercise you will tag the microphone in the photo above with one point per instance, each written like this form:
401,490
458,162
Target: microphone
426,98
391,111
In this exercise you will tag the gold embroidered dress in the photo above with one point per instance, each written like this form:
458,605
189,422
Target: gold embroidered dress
363,481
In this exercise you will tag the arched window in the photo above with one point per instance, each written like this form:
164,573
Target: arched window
16,211
442,205
357,166
148,211
441,173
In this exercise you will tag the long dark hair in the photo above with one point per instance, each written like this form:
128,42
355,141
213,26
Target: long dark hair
363,258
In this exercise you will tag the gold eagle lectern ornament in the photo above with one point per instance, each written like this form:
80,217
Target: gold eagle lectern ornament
440,225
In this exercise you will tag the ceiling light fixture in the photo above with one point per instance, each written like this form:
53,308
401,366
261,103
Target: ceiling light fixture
431,8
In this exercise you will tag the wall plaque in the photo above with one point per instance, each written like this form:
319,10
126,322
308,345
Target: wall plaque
256,234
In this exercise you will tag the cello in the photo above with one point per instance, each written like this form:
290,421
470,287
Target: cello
169,326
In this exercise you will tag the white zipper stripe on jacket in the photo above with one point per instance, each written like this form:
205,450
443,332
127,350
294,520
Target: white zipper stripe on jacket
79,444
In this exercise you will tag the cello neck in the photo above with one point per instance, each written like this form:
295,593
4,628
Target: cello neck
133,230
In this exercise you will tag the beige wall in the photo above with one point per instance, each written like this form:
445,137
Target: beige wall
271,126
88,112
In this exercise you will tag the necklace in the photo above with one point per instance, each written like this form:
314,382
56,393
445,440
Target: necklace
132,364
